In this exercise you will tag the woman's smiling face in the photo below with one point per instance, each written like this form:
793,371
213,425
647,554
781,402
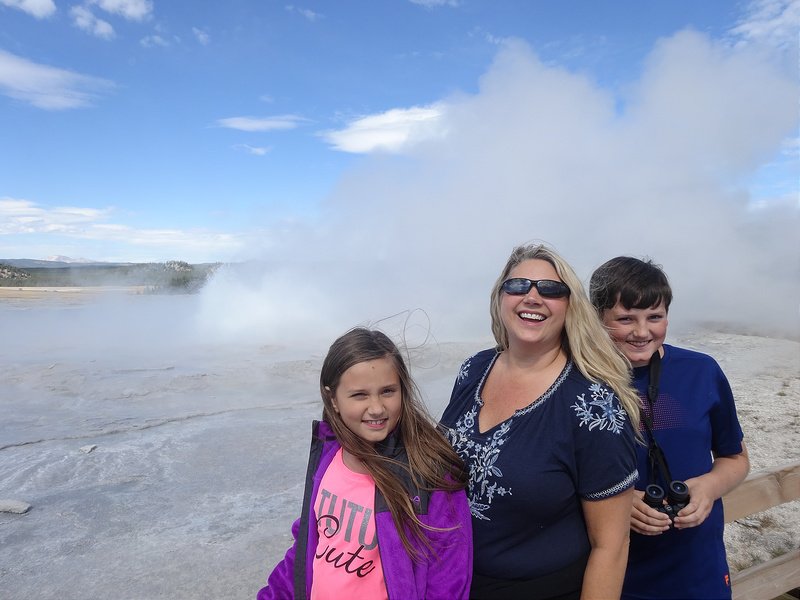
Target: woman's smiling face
531,318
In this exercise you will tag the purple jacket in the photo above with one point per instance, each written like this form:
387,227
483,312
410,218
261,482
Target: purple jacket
445,578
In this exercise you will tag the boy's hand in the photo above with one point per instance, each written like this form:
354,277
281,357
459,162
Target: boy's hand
728,472
701,501
647,520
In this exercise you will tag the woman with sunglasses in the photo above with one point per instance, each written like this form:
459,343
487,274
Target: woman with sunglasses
545,423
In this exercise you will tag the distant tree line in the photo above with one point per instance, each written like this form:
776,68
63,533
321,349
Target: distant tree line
174,276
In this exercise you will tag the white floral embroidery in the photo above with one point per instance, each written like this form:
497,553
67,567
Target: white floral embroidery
463,372
481,458
601,412
482,454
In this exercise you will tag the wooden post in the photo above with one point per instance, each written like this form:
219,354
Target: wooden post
757,493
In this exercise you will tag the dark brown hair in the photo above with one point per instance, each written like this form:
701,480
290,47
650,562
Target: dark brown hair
632,282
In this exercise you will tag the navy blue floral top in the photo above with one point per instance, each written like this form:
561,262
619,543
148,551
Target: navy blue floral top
529,473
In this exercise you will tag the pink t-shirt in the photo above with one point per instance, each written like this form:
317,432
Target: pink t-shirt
347,563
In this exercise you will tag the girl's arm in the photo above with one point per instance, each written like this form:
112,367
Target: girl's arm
608,526
726,473
450,576
280,585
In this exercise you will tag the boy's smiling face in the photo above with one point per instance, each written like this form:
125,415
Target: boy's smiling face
637,332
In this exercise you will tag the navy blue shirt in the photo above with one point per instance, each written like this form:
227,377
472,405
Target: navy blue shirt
529,473
693,416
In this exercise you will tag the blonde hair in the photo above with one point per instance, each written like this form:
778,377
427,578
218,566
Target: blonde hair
432,462
584,339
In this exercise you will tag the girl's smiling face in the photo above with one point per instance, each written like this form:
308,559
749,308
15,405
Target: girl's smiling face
369,398
637,332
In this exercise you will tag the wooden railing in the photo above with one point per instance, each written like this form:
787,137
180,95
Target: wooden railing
758,492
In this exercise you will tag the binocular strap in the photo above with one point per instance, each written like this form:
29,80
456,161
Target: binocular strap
655,455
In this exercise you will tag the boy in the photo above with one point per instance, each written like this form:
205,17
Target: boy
692,418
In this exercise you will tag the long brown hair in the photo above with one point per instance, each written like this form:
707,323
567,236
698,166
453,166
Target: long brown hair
432,462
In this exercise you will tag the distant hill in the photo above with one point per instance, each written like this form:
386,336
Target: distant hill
168,277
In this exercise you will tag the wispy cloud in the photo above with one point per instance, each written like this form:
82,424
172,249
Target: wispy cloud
189,242
133,10
85,19
23,217
308,14
202,36
261,123
770,22
152,41
38,8
480,33
435,3
47,87
391,131
252,150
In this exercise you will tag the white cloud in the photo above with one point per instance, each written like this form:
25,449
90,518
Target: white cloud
47,87
260,123
151,41
38,8
392,131
253,150
23,216
133,10
770,22
543,153
189,242
84,19
435,3
49,226
308,14
201,36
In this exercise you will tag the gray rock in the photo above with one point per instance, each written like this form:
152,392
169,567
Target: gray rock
14,506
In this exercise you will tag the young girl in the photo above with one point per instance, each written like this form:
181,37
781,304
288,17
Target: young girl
385,514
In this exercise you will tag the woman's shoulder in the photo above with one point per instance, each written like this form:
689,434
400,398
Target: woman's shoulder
593,404
583,390
476,365
574,379
484,356
473,370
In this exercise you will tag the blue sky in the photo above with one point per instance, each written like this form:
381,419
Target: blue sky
148,130
394,132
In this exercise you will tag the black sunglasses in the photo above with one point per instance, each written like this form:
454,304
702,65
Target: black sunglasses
547,288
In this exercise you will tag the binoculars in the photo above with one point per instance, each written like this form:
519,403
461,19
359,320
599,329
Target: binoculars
677,498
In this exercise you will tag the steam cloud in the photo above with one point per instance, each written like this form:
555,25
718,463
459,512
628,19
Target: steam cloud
543,153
